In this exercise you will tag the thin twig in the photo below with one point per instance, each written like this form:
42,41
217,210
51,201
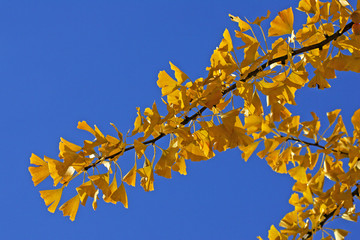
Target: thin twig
233,87
328,215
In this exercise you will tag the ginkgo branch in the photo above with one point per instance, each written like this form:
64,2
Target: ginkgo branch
316,144
331,214
328,216
195,135
233,86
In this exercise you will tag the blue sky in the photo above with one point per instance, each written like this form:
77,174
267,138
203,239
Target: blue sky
66,61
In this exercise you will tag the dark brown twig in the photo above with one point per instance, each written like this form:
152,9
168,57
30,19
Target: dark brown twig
328,215
233,87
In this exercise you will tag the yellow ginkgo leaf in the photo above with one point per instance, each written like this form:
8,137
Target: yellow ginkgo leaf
112,188
253,123
340,234
274,234
68,146
39,173
319,81
258,20
194,152
94,203
248,150
179,75
167,159
84,126
120,195
344,3
68,151
298,78
247,39
299,174
57,169
290,125
308,6
179,166
355,120
101,181
278,111
118,132
250,55
51,197
71,207
282,24
244,26
100,138
289,220
84,190
316,183
130,177
166,83
138,124
332,116
226,44
139,148
36,160
147,175
276,163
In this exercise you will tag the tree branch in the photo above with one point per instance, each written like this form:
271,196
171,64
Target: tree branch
328,215
233,87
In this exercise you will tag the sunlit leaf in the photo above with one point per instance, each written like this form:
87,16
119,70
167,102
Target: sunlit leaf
319,81
248,150
94,203
282,24
57,169
166,83
179,166
179,75
130,177
332,116
244,26
108,197
316,183
84,126
340,234
51,197
258,20
71,207
299,174
147,175
274,234
70,146
137,123
120,195
355,120
226,43
101,181
139,148
39,173
86,190
290,222
118,132
167,159
308,6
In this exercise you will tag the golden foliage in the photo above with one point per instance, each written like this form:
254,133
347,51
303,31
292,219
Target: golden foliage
289,144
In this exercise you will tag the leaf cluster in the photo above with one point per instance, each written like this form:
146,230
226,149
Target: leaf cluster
203,118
